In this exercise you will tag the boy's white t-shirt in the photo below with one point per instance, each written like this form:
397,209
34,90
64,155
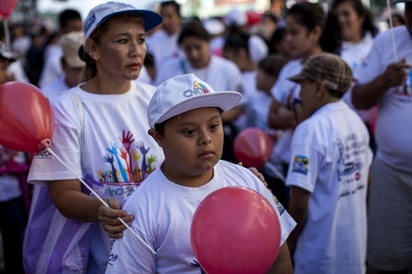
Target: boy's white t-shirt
392,132
164,212
331,159
104,140
283,91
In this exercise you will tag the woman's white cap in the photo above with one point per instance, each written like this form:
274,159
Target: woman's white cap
186,92
102,12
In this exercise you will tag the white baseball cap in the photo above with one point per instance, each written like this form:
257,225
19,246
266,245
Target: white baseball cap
71,42
186,92
102,12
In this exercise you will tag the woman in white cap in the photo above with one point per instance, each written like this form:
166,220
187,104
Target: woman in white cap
100,134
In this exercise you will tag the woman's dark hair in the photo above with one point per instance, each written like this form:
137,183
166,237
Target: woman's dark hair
332,39
277,37
310,15
237,41
193,28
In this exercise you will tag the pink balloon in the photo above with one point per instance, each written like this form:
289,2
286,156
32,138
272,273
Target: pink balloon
26,117
235,230
6,8
253,147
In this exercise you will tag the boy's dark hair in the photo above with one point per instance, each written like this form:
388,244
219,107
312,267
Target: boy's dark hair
172,3
193,28
272,64
67,15
237,41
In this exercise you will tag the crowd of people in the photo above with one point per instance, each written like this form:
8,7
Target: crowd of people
328,86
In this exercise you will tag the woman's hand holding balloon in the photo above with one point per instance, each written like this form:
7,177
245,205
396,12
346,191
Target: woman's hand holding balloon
108,217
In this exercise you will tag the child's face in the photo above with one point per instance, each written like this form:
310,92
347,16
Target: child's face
192,143
299,38
197,51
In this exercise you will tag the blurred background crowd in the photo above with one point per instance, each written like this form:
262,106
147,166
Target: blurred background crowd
247,41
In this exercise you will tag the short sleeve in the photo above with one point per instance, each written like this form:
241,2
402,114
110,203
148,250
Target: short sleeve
303,167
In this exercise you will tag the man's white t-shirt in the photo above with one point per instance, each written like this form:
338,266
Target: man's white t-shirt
52,68
104,140
284,91
55,88
220,73
331,159
163,47
164,212
394,123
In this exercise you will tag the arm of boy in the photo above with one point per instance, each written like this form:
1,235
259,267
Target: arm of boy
298,209
280,117
283,263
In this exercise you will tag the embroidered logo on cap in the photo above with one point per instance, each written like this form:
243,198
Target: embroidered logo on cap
197,89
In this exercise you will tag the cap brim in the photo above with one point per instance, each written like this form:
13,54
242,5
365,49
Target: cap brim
151,19
225,100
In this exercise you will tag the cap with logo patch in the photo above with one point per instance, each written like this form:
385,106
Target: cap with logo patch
186,92
103,12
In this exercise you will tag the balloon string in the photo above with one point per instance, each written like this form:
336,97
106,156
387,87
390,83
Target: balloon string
100,199
7,34
275,171
392,32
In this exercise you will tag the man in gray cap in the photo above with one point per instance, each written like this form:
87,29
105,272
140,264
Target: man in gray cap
385,79
328,173
71,64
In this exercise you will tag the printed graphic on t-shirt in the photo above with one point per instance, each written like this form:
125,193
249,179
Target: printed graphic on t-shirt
128,164
278,205
349,164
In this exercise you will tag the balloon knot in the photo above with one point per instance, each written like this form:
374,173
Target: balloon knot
45,143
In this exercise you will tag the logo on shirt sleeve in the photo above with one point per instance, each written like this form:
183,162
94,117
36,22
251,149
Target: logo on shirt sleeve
300,164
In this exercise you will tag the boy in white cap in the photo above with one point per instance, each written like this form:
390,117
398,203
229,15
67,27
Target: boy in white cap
328,173
185,118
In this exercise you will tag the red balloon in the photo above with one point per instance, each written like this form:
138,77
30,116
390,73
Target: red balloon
253,147
26,117
6,8
235,230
